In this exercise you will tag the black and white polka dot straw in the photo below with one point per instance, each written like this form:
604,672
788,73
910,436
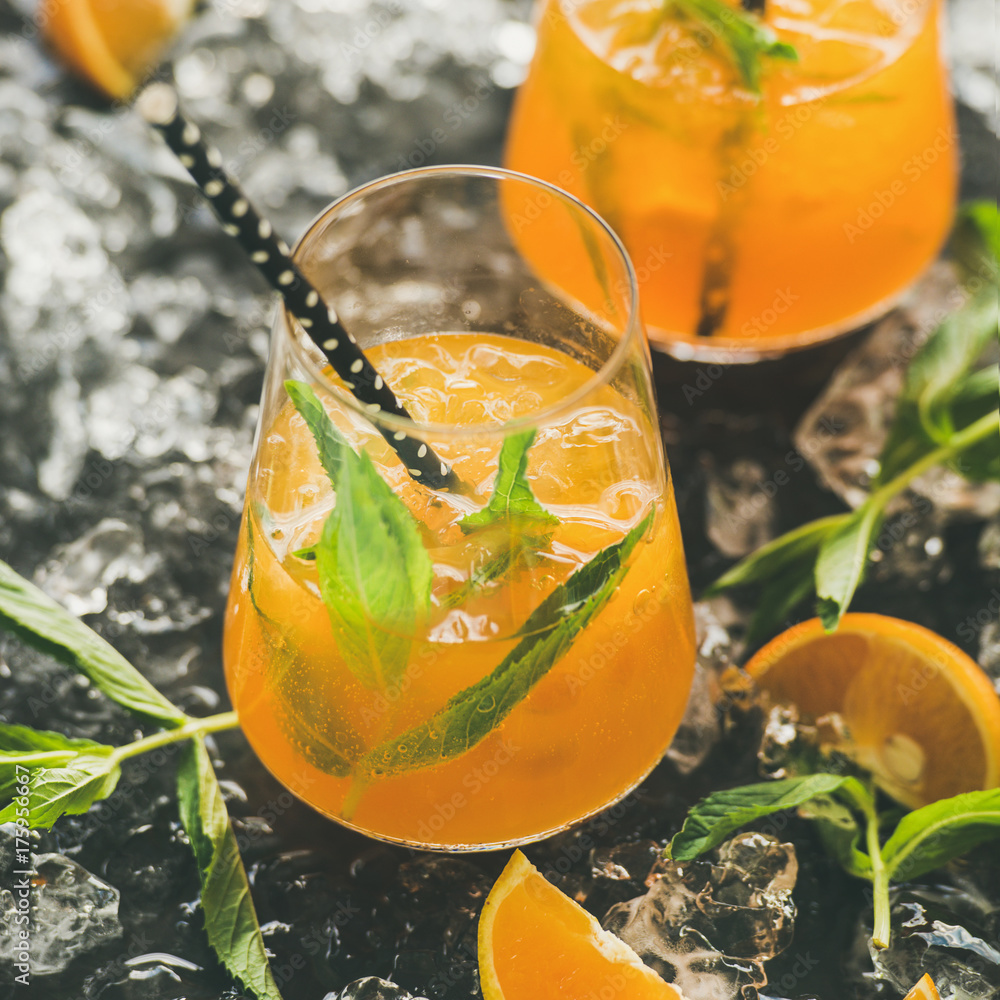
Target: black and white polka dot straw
158,105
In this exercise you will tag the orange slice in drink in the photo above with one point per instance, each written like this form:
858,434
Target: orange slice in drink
535,943
920,714
924,990
113,44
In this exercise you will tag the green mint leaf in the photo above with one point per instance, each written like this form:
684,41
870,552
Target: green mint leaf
794,546
230,919
549,631
744,36
39,621
840,832
842,561
512,501
985,215
778,598
495,566
975,396
305,721
929,837
67,790
975,241
718,815
924,418
374,573
330,443
23,750
20,741
519,524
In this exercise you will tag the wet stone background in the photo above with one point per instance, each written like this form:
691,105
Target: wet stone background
132,343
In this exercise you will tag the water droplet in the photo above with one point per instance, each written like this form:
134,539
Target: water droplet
642,601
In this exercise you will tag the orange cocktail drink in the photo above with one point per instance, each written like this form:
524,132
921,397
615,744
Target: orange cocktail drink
539,665
765,207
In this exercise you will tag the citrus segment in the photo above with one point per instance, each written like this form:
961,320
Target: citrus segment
114,43
535,942
924,990
921,715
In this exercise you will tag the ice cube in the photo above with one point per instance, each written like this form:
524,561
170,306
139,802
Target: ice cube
618,873
935,930
78,574
372,988
708,925
843,432
739,515
72,912
699,729
989,651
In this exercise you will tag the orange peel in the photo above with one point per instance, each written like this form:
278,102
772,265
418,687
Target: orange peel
534,941
113,44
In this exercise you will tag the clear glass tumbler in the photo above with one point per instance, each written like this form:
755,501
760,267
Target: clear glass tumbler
480,666
768,204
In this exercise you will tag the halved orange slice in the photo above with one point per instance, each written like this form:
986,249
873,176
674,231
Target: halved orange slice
924,990
535,943
921,715
113,44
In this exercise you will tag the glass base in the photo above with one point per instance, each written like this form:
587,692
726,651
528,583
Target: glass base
500,845
450,848
743,351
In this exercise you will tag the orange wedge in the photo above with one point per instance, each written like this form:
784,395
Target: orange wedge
113,44
920,714
924,990
535,943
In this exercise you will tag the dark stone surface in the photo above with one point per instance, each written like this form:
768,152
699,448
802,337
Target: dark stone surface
174,354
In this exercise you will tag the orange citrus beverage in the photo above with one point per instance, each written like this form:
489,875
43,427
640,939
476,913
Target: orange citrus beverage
760,216
588,725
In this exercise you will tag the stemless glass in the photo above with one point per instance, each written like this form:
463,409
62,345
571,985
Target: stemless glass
499,309
758,222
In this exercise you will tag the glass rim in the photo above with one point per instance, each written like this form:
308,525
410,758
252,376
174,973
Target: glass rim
296,340
913,23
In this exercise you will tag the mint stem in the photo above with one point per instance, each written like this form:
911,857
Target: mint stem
959,442
357,788
46,758
194,727
880,878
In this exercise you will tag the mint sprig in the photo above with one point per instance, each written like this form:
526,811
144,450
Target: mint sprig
35,618
512,502
374,573
67,776
230,918
851,828
472,714
947,414
744,37
513,526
